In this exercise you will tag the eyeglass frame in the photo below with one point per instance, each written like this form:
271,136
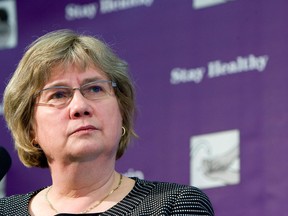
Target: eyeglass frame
113,85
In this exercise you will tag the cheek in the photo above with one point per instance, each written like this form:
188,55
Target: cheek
113,119
45,125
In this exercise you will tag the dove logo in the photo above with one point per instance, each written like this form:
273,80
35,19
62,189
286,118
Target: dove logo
214,159
199,4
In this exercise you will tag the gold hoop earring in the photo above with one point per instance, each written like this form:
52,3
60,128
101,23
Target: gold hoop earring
123,131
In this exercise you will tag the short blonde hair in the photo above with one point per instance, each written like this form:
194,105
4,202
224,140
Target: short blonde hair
59,48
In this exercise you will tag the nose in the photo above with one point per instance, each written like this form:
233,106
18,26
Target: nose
79,106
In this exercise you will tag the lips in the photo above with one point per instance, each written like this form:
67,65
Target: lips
84,129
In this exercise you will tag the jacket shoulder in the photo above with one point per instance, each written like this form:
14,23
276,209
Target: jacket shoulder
15,204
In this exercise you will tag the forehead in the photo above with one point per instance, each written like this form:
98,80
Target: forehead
74,71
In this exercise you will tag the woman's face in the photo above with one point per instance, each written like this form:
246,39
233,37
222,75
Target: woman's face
83,129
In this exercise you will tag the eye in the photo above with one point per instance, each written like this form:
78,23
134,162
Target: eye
57,94
95,88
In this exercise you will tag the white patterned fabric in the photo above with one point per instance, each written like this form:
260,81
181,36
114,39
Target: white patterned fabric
146,198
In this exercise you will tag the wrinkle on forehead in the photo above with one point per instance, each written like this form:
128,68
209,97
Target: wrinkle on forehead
63,68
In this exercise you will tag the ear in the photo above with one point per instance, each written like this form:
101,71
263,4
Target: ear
33,136
35,141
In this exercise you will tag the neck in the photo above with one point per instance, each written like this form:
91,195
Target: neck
92,206
80,178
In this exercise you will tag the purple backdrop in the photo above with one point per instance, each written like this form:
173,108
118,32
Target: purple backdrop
211,79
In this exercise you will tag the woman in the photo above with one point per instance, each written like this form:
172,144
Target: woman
70,108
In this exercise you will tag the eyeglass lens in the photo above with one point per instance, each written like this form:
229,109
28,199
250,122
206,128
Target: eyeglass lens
60,95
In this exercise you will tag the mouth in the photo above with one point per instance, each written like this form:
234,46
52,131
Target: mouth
84,129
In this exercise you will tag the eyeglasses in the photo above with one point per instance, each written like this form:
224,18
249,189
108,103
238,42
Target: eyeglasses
59,96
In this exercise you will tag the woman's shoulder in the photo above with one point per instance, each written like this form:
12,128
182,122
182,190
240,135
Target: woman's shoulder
169,187
16,204
181,195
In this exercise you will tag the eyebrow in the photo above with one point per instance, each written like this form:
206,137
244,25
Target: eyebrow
93,79
85,81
